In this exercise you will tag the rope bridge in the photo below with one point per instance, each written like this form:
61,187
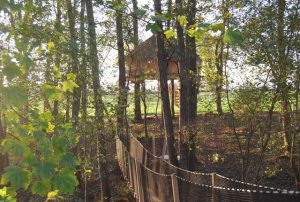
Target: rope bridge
153,179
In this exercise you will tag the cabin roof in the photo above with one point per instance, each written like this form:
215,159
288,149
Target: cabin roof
146,51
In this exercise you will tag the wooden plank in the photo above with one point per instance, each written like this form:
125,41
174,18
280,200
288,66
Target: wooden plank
175,188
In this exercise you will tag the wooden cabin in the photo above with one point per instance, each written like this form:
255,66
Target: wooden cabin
142,62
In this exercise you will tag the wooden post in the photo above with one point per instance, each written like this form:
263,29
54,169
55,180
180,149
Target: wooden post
175,188
138,195
139,182
213,185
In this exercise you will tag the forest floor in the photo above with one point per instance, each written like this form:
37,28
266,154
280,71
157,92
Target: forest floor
217,149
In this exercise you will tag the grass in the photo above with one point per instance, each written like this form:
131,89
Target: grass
206,103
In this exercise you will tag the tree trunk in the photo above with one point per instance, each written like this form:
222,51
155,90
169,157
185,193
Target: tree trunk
137,83
282,79
191,62
3,157
57,55
122,76
169,5
173,98
219,79
162,63
184,97
98,103
74,61
83,68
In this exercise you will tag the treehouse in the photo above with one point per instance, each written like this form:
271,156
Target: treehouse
142,64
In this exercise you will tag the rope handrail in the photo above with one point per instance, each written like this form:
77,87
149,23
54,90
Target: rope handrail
271,189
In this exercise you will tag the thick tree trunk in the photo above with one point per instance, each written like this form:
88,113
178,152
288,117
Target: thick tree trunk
137,83
74,61
122,76
98,103
184,97
83,68
191,62
162,63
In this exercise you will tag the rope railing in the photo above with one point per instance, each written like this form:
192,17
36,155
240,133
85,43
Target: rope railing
152,178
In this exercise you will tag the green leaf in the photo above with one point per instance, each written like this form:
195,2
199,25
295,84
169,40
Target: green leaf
216,27
50,46
46,117
10,68
68,161
15,147
45,170
57,72
50,128
52,92
69,85
71,76
53,195
17,177
60,143
182,20
199,34
153,27
170,33
38,134
140,13
7,194
191,32
41,188
160,17
233,36
21,44
14,95
65,182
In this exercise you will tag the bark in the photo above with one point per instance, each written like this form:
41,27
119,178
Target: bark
162,63
173,98
137,84
169,5
145,108
83,68
57,55
282,79
98,103
219,51
184,98
74,61
219,79
3,157
83,77
191,62
122,71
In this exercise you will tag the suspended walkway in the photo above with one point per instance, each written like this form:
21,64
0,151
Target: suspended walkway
153,179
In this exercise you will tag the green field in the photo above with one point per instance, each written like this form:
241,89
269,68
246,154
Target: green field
206,103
